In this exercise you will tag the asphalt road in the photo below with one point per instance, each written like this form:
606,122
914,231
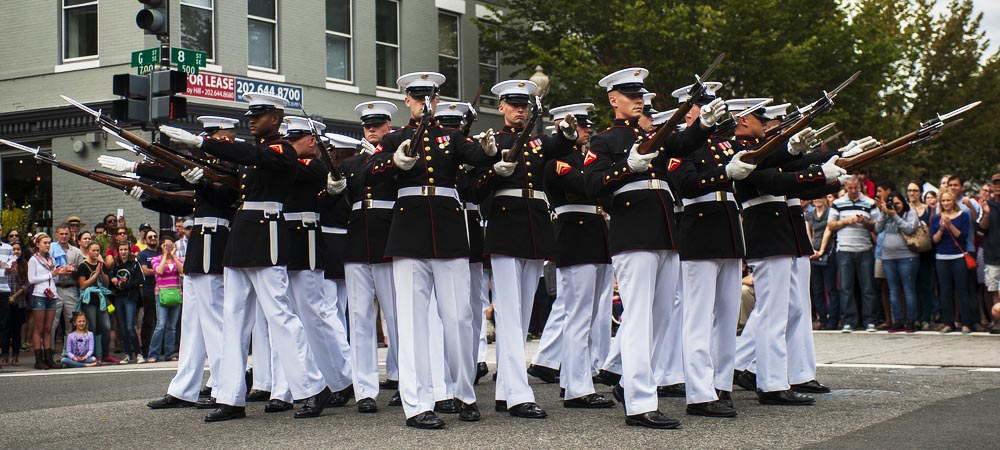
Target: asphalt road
890,391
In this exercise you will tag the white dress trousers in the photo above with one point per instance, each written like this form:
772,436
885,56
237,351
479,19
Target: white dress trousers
261,346
318,308
647,281
484,298
245,288
365,284
582,288
711,308
515,283
801,351
772,287
669,369
201,340
415,279
444,388
551,345
600,333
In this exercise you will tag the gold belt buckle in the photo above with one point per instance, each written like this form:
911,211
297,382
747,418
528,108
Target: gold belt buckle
599,210
428,191
720,196
368,204
654,184
528,193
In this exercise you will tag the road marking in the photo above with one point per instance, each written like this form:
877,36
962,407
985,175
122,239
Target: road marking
986,369
45,373
874,366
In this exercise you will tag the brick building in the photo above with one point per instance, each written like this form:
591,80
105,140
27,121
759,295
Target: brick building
328,54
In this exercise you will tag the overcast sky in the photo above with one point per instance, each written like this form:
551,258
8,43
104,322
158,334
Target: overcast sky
991,19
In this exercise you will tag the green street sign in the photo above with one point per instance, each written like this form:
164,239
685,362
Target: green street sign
188,61
146,60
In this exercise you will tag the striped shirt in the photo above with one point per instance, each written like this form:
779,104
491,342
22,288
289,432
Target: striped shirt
854,237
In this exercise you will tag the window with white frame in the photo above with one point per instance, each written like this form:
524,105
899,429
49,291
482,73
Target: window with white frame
262,32
79,29
386,43
489,64
448,54
198,26
338,40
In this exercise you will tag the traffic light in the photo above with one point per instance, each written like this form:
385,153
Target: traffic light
164,104
135,89
153,18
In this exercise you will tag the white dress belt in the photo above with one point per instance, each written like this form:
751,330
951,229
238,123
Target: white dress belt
652,184
304,217
211,222
428,191
269,208
334,230
717,196
794,202
763,199
522,193
373,204
471,207
586,209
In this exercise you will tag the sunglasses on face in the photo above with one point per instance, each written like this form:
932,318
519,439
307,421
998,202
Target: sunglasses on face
13,235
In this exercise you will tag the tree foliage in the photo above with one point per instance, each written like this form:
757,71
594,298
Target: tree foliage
914,64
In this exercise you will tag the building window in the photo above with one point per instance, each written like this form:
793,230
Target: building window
262,33
198,26
448,53
488,73
386,43
338,39
79,29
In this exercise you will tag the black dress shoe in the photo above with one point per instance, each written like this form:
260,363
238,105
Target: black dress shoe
619,392
652,419
446,406
257,395
715,408
528,410
248,379
786,397
500,406
725,397
347,392
546,374
469,412
481,370
607,378
673,390
169,401
367,405
205,392
206,403
426,421
276,406
810,387
226,412
313,406
396,400
589,401
746,380
337,399
389,384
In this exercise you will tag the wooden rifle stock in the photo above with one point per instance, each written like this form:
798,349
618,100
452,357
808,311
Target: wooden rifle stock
655,142
760,153
168,158
124,184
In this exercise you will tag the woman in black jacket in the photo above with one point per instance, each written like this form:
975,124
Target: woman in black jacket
126,278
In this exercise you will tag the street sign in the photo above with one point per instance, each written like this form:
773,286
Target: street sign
188,61
145,60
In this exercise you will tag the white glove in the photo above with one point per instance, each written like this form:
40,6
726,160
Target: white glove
335,187
843,178
737,169
115,163
489,142
181,136
639,163
800,143
367,148
832,171
136,193
400,159
193,175
568,127
504,168
855,148
713,112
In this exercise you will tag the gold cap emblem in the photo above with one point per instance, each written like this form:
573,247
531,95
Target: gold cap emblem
521,84
637,72
424,76
371,106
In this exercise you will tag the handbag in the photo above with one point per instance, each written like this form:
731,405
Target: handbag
970,261
920,240
170,297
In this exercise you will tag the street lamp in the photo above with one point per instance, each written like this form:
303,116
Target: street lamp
542,81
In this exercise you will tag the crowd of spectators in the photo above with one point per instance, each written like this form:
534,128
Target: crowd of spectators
79,297
924,258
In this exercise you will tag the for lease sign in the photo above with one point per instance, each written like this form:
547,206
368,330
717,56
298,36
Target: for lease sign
229,88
